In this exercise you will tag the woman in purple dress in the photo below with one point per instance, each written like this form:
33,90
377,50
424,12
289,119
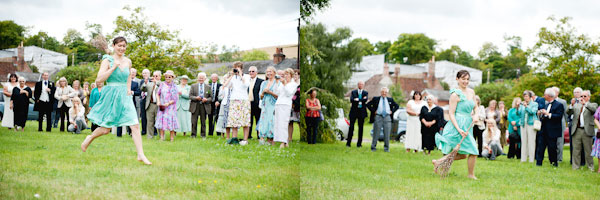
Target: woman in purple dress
166,118
596,147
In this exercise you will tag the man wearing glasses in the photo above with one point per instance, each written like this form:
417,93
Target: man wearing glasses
254,97
583,129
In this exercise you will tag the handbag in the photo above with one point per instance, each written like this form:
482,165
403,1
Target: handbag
598,134
537,125
162,107
514,137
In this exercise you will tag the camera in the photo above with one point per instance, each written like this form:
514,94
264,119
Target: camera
277,77
235,71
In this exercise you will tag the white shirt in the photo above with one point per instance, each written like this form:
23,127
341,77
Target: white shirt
495,137
581,116
45,97
240,89
285,93
74,116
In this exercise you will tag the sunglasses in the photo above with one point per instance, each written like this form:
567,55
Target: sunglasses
252,71
584,96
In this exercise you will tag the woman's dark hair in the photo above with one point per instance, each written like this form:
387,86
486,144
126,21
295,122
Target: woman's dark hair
13,76
462,73
118,40
415,94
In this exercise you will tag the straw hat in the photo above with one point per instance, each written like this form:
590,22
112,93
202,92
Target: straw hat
184,77
169,73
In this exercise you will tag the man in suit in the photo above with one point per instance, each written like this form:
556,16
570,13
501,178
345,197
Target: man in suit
143,95
254,98
358,111
381,108
560,142
214,105
541,105
151,89
583,129
200,97
576,95
135,88
44,99
551,117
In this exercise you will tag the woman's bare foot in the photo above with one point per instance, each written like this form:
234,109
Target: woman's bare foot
282,145
85,143
435,165
144,160
472,177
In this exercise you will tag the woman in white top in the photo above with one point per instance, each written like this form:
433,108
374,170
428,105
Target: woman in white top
413,124
76,116
239,105
8,119
480,125
222,102
491,141
63,94
283,107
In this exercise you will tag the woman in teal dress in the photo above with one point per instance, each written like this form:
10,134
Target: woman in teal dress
184,116
114,107
461,117
268,97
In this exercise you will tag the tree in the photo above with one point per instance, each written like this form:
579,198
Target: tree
75,44
417,48
255,55
11,34
43,40
366,46
493,91
382,47
456,55
308,7
397,93
567,58
82,73
154,47
327,58
229,54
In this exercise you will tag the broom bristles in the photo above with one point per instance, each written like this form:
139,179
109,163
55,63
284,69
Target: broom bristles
100,43
445,163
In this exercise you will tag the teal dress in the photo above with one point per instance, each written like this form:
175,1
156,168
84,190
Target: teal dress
184,116
114,108
450,137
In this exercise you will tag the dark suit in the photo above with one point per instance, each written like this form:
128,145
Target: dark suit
214,115
541,105
44,108
550,132
357,113
199,108
135,87
142,108
254,109
384,121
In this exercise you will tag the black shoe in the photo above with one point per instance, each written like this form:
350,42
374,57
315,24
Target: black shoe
359,146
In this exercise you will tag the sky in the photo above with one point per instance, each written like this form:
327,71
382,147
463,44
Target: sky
245,23
466,23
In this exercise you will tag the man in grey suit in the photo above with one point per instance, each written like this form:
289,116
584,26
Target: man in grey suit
151,88
200,105
561,140
583,129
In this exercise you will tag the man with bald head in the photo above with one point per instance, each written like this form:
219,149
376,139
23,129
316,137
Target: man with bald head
254,97
214,114
358,111
43,95
201,98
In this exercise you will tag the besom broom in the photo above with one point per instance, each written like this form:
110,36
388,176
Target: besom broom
443,164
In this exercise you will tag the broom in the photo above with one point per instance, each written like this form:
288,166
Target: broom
444,163
100,43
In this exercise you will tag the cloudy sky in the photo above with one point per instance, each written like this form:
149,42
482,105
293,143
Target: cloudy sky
467,23
245,23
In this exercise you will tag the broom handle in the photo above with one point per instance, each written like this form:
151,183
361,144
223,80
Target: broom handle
463,138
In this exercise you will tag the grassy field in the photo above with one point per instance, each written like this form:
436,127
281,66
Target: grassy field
53,166
334,171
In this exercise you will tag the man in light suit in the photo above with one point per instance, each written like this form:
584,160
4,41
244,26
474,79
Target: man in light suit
381,108
583,129
358,111
151,89
214,105
254,98
200,96
143,95
560,142
551,117
44,99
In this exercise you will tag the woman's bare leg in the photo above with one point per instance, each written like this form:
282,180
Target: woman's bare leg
235,131
228,131
290,131
246,132
471,166
100,131
172,136
137,140
162,135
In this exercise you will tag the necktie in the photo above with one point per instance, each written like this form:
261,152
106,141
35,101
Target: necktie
202,90
251,90
384,107
359,98
46,83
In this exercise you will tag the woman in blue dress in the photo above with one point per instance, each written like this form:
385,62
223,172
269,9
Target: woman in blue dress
461,117
268,97
114,107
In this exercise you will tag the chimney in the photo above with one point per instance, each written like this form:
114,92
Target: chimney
278,56
397,73
431,73
386,70
20,57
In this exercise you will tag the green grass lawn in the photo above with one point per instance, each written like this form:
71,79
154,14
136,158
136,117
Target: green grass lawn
53,166
334,171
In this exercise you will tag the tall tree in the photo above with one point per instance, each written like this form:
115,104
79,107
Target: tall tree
255,55
42,39
328,57
308,7
11,34
417,48
456,55
366,46
382,47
